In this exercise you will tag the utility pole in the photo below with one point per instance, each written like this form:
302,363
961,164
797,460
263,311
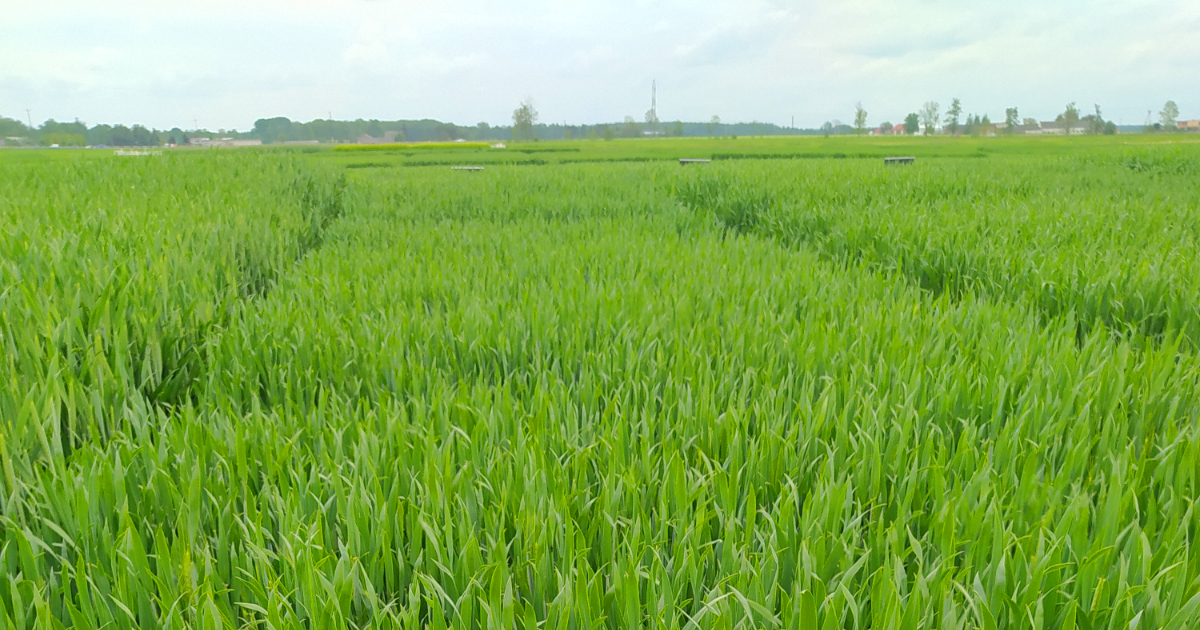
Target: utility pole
29,117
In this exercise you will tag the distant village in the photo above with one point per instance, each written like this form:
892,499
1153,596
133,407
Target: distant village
236,142
1029,128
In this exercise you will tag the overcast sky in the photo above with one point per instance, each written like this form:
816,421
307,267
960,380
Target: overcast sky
225,63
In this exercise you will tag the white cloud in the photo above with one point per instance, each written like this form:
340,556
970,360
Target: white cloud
592,57
434,64
368,49
228,62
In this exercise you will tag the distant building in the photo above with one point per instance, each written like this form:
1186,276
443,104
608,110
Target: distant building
1001,128
1188,125
291,142
1055,128
223,142
388,138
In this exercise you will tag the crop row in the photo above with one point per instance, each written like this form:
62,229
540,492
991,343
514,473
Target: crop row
1109,240
114,273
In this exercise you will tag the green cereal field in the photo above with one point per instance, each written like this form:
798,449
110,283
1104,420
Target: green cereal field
588,387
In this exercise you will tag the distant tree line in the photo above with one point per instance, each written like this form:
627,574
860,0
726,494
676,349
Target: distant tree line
525,128
10,128
78,134
280,129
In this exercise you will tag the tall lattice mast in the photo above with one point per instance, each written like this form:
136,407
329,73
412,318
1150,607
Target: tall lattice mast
654,98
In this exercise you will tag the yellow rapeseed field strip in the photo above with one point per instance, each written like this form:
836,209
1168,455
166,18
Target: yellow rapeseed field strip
413,146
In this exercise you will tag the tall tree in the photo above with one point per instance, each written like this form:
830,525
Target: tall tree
1096,125
631,129
1069,118
929,116
1168,115
100,135
1011,120
652,118
952,114
714,125
524,118
912,123
860,118
143,137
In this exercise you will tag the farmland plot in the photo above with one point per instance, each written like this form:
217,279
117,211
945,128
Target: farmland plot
810,394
